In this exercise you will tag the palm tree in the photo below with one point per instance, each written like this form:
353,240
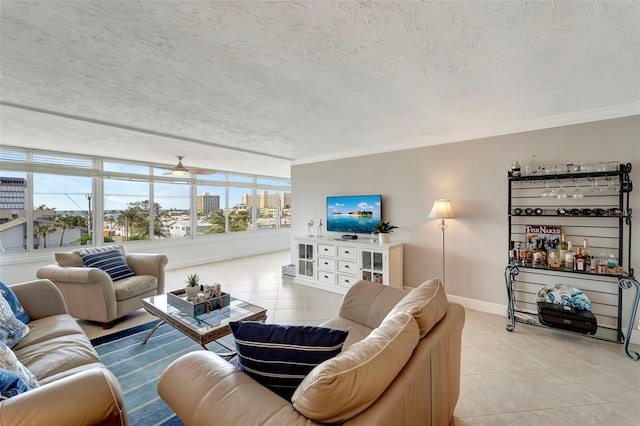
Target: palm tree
126,219
63,222
239,220
217,221
136,218
42,230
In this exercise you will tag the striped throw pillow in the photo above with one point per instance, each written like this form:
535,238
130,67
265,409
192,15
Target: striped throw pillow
110,259
279,357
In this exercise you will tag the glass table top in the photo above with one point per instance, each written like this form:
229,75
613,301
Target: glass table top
238,310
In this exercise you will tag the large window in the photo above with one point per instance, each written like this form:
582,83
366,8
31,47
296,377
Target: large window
273,204
126,209
173,215
63,210
13,215
211,205
49,200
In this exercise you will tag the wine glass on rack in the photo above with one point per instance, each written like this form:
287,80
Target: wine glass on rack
548,192
561,192
577,193
612,187
595,188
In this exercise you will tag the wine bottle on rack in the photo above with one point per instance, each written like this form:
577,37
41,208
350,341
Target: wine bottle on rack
586,254
579,263
562,249
568,257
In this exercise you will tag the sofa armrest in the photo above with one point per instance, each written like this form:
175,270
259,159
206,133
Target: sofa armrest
202,388
89,397
40,298
75,274
149,264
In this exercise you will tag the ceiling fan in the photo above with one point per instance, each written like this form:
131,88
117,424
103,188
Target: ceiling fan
180,170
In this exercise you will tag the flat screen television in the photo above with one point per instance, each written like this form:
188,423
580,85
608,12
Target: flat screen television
356,214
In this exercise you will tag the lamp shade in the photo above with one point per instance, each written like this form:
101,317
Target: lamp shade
441,210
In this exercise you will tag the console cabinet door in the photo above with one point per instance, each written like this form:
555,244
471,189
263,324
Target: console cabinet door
372,266
306,260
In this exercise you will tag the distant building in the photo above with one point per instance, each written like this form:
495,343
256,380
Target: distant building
207,203
182,228
266,200
13,193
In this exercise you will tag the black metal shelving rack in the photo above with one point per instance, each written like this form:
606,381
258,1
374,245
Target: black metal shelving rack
602,214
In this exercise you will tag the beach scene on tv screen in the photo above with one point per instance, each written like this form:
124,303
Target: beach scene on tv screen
356,214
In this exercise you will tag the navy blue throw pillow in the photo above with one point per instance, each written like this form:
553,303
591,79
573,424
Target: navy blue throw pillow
110,259
279,357
15,304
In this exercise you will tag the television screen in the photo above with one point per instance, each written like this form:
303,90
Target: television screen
353,213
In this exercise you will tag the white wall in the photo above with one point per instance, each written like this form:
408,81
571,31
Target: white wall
473,175
18,267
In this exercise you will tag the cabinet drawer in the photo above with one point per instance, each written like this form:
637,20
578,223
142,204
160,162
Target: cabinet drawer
347,252
348,267
327,263
346,280
326,277
326,249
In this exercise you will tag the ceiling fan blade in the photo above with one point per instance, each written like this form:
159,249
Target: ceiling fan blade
180,170
202,172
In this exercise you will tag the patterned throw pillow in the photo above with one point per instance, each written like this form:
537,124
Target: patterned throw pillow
15,304
12,330
280,356
9,362
109,259
11,384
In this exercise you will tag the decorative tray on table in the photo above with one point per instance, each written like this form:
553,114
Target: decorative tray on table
178,298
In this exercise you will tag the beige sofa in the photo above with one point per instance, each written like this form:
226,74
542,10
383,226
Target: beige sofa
400,365
75,387
90,293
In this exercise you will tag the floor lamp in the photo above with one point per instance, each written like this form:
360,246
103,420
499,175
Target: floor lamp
442,210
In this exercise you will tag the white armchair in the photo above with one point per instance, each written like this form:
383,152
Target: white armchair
91,294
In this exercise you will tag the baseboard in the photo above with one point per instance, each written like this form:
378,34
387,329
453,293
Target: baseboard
479,305
501,310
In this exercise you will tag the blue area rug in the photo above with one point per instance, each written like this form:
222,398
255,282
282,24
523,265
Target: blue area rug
138,367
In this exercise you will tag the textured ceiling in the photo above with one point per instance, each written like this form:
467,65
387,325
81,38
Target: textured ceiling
256,86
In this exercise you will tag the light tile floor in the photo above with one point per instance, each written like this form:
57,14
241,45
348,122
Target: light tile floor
532,376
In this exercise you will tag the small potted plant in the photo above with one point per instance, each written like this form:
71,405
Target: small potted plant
193,286
383,229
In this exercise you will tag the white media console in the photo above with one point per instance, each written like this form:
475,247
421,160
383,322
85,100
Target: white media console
335,265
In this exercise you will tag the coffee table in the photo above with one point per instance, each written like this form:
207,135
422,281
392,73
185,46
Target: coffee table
204,328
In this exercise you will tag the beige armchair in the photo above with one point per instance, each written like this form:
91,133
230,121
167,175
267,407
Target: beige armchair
90,294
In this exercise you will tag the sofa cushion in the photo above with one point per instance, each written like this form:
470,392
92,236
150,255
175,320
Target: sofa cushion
350,382
69,259
9,361
11,384
58,355
136,285
280,356
110,259
48,328
427,303
15,304
12,330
